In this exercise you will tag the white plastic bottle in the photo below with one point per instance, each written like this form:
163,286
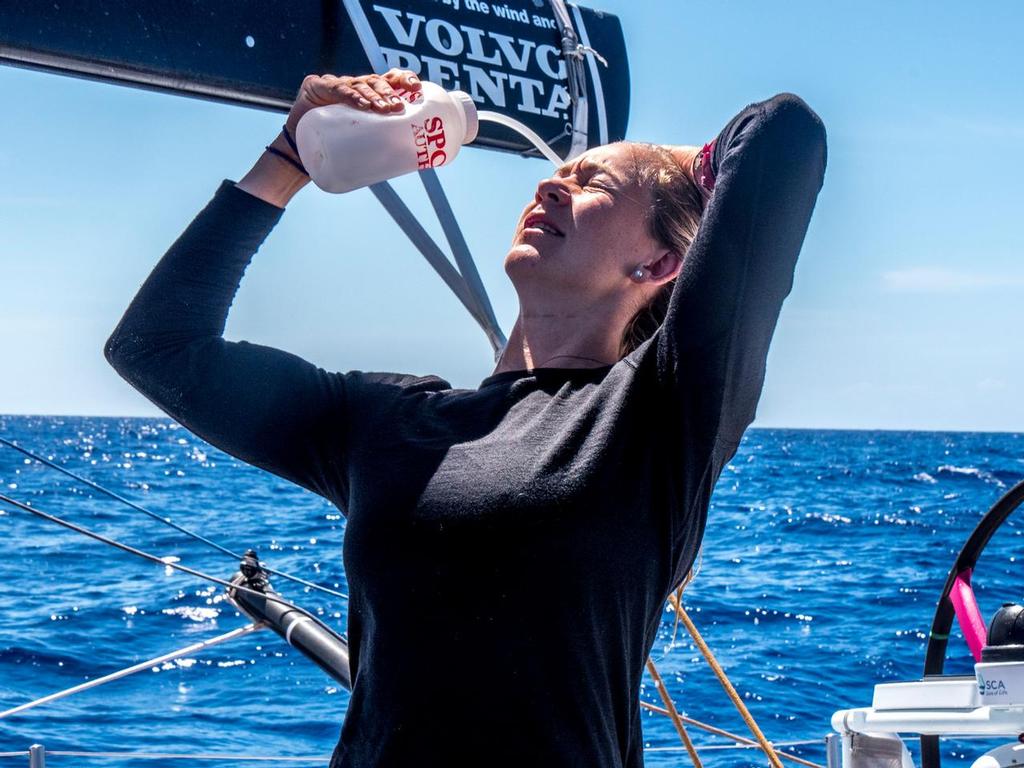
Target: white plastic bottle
345,148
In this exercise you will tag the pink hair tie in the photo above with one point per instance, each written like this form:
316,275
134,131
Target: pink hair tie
707,174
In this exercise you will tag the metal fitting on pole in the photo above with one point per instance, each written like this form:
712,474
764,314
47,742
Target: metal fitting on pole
37,756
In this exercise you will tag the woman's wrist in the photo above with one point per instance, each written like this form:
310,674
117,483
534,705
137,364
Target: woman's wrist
289,155
272,178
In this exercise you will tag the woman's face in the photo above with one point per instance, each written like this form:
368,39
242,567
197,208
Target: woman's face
585,231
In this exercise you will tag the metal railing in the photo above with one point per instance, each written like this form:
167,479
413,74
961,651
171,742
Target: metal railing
37,754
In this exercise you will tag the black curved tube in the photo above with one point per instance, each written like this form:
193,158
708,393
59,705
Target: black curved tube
938,638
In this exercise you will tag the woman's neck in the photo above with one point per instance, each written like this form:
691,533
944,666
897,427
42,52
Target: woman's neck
557,342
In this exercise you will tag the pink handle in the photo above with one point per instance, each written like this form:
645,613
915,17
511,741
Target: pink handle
967,613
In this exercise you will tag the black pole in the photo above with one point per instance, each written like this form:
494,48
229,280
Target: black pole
314,639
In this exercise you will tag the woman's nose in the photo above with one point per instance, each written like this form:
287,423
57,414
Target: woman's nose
553,191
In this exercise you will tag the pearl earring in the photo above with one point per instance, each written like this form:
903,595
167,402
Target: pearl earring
638,274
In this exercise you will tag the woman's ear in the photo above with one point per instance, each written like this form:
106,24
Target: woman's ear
665,267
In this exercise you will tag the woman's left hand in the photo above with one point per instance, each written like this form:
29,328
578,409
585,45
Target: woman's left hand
376,93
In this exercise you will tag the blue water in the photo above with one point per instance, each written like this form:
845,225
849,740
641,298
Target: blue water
824,556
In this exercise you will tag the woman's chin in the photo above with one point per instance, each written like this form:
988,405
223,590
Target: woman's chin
522,256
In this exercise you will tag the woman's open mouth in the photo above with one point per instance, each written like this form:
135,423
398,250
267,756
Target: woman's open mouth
539,223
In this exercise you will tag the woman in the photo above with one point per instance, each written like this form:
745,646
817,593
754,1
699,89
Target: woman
509,549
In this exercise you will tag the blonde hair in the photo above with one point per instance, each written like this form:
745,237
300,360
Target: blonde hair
677,205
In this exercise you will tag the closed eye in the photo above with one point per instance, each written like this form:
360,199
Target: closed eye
599,184
588,175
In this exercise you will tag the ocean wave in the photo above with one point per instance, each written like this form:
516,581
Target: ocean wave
975,472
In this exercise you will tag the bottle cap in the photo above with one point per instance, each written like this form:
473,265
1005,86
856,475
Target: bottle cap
469,111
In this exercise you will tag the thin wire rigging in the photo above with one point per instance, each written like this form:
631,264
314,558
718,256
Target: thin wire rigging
166,520
269,596
202,645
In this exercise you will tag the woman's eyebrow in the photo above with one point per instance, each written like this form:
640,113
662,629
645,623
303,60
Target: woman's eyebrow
587,164
597,167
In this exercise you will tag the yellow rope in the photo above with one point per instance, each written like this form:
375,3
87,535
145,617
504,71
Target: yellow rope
735,737
670,710
730,691
687,580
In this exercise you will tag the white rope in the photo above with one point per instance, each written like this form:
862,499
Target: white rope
716,747
195,648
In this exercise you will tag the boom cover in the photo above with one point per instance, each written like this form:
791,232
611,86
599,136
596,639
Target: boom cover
507,54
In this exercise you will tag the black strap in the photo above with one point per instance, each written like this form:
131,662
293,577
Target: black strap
291,143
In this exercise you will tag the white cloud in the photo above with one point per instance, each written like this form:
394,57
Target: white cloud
988,127
943,280
991,385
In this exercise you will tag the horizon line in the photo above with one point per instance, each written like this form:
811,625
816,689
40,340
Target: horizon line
766,428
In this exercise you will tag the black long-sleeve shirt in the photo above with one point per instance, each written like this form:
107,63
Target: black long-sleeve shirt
508,548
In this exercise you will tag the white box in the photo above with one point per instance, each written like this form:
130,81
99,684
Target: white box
960,692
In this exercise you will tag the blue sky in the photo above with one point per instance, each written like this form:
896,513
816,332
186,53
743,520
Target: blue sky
907,309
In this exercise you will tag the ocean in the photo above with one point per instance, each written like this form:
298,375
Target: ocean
824,557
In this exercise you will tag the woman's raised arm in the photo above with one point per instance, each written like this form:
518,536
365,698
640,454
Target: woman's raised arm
265,406
769,164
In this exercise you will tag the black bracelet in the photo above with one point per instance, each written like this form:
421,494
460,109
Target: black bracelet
291,143
287,159
289,139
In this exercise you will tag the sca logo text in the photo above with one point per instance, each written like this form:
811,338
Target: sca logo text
991,687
